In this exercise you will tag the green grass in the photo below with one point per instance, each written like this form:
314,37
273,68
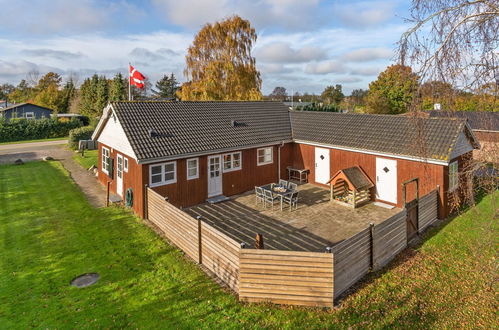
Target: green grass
38,140
49,234
90,158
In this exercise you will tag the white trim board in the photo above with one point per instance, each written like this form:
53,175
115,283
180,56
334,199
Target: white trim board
422,160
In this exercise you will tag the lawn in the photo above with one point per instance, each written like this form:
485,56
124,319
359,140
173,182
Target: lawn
38,140
50,234
91,157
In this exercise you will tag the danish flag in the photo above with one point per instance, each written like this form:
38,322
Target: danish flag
136,78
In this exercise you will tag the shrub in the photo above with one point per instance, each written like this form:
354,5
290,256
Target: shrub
77,134
27,129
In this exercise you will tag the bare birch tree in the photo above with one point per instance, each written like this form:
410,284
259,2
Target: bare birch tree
456,42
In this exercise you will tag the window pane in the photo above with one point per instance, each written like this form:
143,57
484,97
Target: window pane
170,167
156,170
169,176
237,163
261,159
156,178
192,163
236,156
261,152
192,172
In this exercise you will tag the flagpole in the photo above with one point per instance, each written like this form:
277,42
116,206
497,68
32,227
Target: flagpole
129,84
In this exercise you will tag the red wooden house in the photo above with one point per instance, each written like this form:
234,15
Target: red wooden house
191,151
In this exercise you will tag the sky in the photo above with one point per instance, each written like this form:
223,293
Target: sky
302,45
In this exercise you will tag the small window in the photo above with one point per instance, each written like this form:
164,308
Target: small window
105,160
453,176
192,168
162,174
125,164
232,161
30,115
265,156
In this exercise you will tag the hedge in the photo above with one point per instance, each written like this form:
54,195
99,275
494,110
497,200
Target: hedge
29,129
77,134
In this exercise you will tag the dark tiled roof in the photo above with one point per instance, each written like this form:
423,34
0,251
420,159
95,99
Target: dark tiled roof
192,127
397,135
13,106
478,120
357,178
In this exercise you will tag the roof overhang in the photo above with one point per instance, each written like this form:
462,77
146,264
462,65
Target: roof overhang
376,153
211,152
102,121
471,136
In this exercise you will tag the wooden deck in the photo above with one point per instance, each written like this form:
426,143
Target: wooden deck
315,225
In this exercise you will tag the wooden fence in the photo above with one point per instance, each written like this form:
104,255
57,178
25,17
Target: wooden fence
220,254
179,227
287,277
427,210
389,238
352,260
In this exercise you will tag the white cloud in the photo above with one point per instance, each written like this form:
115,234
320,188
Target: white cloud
365,71
20,68
364,14
274,68
347,79
261,13
368,54
52,53
325,67
281,52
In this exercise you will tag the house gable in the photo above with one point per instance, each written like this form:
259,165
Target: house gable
110,132
463,145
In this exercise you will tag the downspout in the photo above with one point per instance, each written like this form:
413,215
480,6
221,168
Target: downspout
279,159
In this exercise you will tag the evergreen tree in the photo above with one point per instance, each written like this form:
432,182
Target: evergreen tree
166,87
118,88
68,93
102,95
87,96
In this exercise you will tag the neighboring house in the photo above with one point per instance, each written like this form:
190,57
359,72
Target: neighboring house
485,125
191,151
25,110
295,105
5,104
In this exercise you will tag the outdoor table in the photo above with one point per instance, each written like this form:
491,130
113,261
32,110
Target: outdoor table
300,174
279,193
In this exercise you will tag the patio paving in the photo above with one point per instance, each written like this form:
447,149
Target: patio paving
316,224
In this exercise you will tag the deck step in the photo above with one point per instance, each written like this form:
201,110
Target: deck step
217,199
386,206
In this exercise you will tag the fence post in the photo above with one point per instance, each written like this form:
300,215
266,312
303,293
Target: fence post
259,242
200,241
371,229
438,201
146,202
107,193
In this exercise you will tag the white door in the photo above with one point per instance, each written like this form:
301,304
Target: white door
321,165
214,176
119,175
386,180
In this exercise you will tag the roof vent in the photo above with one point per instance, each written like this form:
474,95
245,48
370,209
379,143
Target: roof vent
153,133
234,123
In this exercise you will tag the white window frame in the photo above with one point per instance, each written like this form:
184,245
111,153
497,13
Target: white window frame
232,167
105,160
453,175
163,180
265,162
125,164
32,115
196,176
